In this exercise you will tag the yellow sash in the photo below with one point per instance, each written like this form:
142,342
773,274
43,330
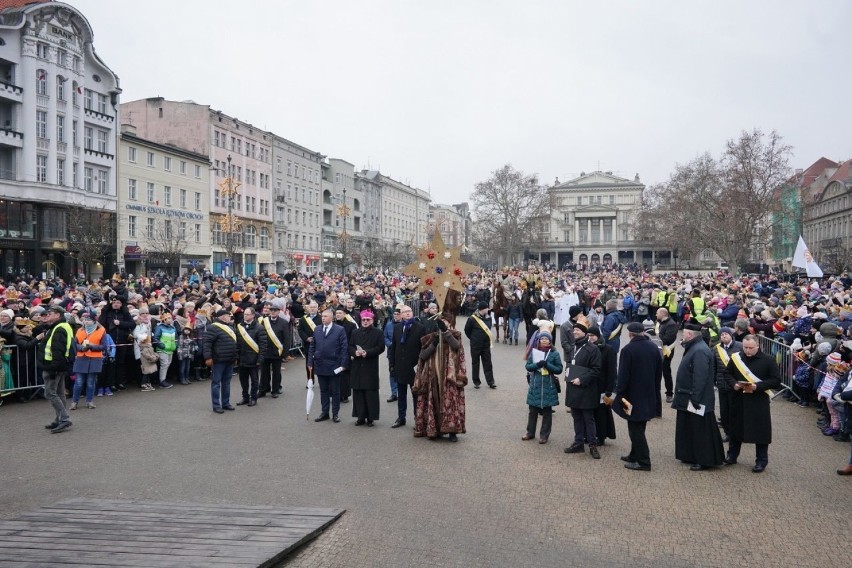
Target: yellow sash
615,332
723,355
272,337
487,331
746,372
248,339
310,323
227,330
666,349
350,318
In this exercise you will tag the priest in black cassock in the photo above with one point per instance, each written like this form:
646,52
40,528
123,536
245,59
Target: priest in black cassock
366,344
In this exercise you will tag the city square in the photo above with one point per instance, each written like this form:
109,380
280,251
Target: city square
489,500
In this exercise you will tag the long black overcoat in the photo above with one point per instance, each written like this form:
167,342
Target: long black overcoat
640,368
365,370
750,420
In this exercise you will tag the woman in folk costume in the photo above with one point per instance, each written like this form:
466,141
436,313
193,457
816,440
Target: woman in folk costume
439,384
92,344
543,392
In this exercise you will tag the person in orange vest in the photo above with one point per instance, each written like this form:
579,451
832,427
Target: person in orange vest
90,342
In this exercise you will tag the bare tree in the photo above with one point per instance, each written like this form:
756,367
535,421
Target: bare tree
91,234
727,205
505,206
835,255
167,241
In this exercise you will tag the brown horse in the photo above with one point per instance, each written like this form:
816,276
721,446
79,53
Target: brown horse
499,310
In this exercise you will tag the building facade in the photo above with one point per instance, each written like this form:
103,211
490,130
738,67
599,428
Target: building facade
828,222
446,220
58,110
297,215
404,219
343,215
242,165
592,222
163,207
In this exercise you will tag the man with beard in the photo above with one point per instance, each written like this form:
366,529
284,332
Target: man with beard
752,376
275,329
697,438
251,346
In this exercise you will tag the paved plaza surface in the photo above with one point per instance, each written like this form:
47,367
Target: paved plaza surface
489,500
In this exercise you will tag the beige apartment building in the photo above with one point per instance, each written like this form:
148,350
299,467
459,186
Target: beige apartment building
163,207
238,152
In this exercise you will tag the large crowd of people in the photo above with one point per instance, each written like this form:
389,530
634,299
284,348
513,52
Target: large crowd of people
92,339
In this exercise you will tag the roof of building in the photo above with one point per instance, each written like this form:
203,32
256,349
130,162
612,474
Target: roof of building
842,173
808,176
7,4
598,180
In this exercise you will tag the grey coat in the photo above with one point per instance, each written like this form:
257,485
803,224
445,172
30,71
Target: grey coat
695,378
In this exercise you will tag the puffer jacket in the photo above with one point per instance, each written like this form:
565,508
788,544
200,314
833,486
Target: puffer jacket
542,392
219,345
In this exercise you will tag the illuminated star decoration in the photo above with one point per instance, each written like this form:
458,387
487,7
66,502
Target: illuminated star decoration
439,269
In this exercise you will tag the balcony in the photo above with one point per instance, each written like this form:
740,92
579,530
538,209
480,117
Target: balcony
61,104
99,116
43,143
11,92
7,173
43,101
62,147
99,154
9,137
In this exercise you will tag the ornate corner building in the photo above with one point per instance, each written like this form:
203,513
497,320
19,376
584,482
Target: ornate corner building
58,109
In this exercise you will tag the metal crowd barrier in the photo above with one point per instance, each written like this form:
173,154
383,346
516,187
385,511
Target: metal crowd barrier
25,373
296,342
414,304
783,355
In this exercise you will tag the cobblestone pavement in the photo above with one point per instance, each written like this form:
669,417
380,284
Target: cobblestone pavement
490,500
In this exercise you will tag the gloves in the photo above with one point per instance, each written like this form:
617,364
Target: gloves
541,364
695,404
441,324
209,363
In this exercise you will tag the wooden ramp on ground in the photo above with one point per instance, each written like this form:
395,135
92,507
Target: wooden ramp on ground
106,532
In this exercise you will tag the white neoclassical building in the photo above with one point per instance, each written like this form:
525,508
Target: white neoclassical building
592,222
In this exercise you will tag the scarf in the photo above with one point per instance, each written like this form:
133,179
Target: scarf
89,328
406,324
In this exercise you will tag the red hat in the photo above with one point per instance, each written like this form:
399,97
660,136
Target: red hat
779,326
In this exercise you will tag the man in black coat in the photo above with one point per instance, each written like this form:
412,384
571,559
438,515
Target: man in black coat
116,319
306,326
721,357
403,355
478,331
251,347
752,375
274,328
365,346
666,330
328,357
344,319
582,373
639,370
220,352
55,358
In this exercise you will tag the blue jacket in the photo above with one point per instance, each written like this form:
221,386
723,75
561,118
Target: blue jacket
611,322
542,392
389,333
329,352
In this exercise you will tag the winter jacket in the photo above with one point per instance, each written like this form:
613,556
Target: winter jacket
542,391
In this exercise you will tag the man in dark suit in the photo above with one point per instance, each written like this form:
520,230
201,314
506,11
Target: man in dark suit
328,357
477,329
274,328
403,354
639,371
308,322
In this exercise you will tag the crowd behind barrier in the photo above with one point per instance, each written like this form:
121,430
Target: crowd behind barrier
799,321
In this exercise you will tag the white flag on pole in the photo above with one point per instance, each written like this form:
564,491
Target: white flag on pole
803,258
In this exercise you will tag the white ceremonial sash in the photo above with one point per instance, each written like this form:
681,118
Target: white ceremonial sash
248,339
310,323
272,337
746,372
723,355
487,331
227,330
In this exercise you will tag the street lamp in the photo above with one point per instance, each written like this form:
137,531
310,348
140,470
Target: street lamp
343,211
230,223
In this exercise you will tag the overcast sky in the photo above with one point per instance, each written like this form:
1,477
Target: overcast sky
439,94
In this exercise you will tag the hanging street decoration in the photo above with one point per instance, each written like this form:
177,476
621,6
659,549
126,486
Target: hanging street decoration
439,269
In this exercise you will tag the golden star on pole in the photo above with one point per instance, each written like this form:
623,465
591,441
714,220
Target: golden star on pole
439,269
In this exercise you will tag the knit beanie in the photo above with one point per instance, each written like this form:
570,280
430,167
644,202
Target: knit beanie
802,312
796,345
779,326
8,313
727,330
824,348
833,359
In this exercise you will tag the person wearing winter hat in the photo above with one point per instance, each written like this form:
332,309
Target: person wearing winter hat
220,352
835,371
583,371
722,356
543,366
566,330
478,331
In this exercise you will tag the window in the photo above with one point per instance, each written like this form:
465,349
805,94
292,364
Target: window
74,169
103,145
167,195
41,168
217,233
42,51
89,179
131,226
88,99
251,233
264,238
197,201
88,135
216,199
182,167
198,232
60,89
131,154
41,123
579,200
289,168
102,103
131,189
167,163
167,228
103,182
182,230
612,200
183,198
74,133
41,82
151,159
61,57
150,192
198,171
60,171
75,91
149,229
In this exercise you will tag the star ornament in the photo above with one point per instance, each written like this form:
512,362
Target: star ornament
439,269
